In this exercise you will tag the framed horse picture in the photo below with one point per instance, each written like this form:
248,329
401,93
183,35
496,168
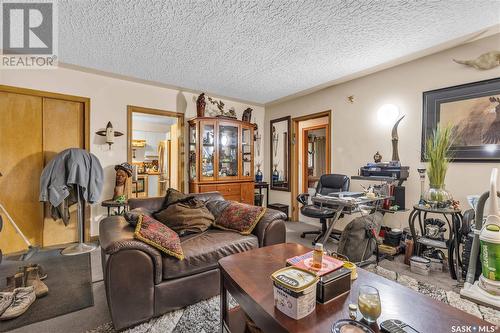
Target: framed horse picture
473,111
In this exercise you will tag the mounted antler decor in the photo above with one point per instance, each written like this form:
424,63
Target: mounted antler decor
485,61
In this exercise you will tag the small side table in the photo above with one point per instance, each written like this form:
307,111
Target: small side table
260,186
454,226
281,207
121,207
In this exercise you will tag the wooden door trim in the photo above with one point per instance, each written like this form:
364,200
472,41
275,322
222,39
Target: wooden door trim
304,155
86,131
159,112
295,155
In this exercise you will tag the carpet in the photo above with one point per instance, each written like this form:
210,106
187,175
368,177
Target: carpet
204,317
69,281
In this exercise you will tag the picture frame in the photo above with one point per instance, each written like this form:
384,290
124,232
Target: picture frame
473,109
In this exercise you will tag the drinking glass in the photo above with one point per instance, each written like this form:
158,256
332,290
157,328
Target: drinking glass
369,303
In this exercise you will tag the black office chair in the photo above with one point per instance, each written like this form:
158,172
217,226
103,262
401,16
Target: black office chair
327,184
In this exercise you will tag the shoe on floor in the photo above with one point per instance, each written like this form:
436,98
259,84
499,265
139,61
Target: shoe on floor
41,272
32,278
6,299
14,281
23,298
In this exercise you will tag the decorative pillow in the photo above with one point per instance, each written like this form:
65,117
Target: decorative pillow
173,196
240,217
159,236
186,216
132,216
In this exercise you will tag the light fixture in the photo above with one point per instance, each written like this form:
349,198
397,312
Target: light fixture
387,114
109,133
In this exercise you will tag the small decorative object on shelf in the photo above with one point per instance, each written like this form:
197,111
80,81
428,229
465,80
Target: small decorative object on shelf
377,157
200,105
395,139
109,133
247,115
421,172
438,146
258,175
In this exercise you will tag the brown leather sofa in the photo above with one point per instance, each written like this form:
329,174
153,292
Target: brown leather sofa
141,283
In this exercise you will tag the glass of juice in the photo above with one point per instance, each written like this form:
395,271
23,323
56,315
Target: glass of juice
369,303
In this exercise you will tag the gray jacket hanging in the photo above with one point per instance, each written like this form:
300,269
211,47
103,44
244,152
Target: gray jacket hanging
71,167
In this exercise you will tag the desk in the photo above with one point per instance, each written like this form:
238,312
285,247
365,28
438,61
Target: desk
345,206
260,186
454,227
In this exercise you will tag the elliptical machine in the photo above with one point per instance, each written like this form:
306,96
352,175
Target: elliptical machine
486,290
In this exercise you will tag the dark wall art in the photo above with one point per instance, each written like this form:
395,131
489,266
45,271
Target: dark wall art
473,110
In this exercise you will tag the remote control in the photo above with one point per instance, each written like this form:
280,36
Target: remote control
396,326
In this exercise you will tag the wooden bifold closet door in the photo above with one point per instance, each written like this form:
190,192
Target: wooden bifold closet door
33,129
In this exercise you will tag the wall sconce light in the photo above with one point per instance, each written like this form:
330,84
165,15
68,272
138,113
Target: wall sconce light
109,133
387,114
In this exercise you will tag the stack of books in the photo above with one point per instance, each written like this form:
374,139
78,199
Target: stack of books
305,261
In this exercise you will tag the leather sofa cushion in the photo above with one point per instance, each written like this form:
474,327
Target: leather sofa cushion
203,251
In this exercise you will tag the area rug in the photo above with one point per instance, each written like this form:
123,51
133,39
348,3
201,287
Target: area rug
69,281
204,317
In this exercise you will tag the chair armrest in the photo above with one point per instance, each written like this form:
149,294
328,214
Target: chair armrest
117,235
303,198
271,228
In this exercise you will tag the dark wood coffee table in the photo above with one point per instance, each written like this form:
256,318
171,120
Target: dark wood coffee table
246,276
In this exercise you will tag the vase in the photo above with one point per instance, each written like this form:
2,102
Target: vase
438,197
259,176
276,174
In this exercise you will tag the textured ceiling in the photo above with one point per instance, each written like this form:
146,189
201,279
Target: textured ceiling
257,50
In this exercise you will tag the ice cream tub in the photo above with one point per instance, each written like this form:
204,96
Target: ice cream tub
294,291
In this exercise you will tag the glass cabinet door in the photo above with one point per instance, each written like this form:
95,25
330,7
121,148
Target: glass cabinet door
246,151
207,153
228,151
192,151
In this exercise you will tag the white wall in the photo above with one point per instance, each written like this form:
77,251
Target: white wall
109,99
357,134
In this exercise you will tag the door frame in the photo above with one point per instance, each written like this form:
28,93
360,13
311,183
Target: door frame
304,151
86,131
295,154
158,112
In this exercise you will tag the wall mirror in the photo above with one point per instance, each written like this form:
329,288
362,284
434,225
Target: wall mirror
280,154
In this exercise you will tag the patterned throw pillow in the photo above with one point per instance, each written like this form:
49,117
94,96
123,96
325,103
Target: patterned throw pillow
240,217
159,236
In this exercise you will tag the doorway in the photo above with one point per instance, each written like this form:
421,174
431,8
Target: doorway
311,156
155,148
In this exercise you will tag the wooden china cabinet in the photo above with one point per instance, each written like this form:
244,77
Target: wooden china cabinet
221,158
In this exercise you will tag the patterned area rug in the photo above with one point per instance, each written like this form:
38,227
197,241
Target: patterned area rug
203,317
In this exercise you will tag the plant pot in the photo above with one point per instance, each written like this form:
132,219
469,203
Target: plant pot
438,197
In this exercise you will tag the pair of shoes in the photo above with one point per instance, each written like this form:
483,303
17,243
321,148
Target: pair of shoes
22,298
30,276
41,272
6,299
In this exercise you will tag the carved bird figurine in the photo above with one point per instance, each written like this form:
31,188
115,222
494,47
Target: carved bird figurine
485,61
492,134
